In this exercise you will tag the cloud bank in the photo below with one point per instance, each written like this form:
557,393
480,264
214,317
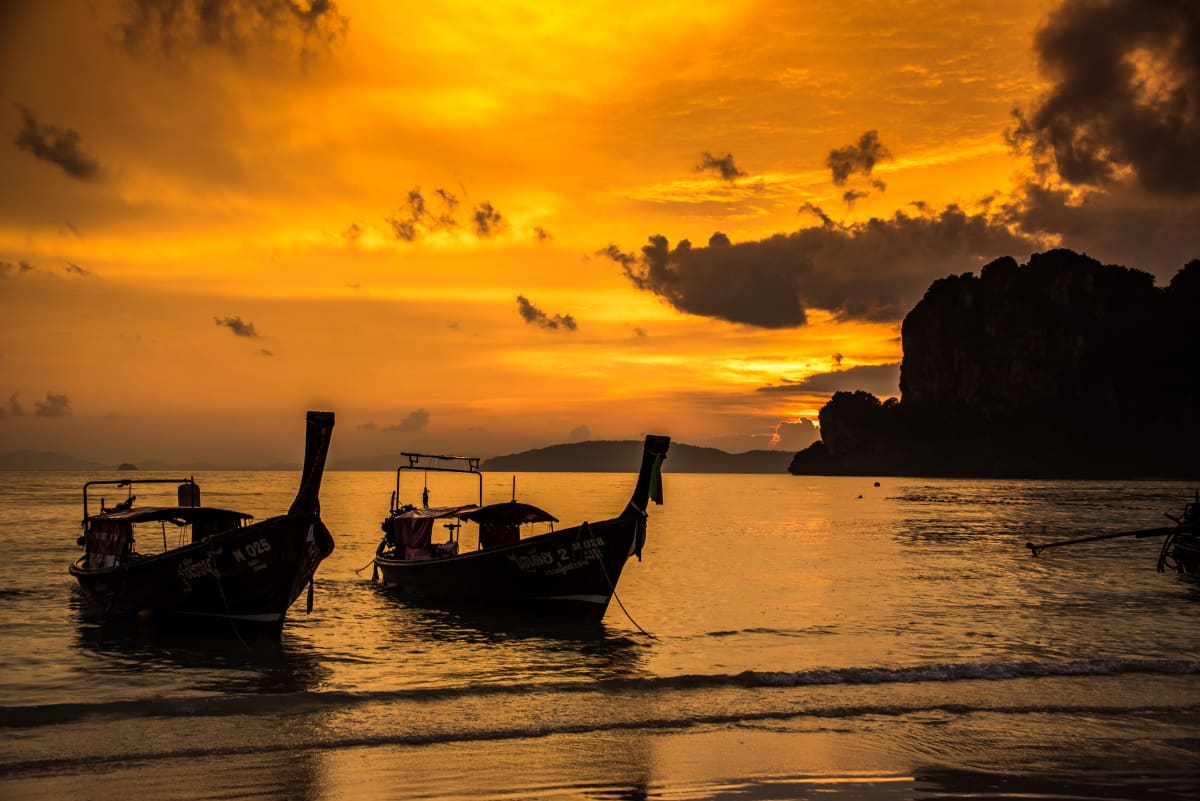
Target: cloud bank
55,406
871,271
415,420
1114,146
1125,103
170,27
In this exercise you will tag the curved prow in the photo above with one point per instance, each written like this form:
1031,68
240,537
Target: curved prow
649,482
316,448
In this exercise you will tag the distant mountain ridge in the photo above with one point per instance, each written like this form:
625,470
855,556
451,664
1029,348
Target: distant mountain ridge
52,460
44,460
624,456
599,456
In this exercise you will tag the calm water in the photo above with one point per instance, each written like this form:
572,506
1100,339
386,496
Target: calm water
803,638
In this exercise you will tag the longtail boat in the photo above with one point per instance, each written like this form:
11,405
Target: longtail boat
570,572
215,563
1180,549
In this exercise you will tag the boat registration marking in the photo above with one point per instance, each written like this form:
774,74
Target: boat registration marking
190,569
252,550
561,560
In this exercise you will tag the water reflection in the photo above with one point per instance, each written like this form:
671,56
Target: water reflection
213,658
515,638
1023,783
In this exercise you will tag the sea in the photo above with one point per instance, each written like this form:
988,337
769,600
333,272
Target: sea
783,637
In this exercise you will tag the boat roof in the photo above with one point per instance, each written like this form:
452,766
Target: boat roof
507,513
511,513
176,514
438,511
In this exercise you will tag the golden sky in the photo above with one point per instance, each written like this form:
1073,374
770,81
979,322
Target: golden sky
458,225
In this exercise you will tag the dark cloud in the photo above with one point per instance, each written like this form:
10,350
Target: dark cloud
535,316
413,421
861,157
406,224
352,234
1129,227
405,230
445,219
8,268
850,196
1125,95
238,326
874,270
13,408
626,260
819,213
579,434
541,234
723,164
418,217
265,352
171,26
487,220
59,146
53,406
882,380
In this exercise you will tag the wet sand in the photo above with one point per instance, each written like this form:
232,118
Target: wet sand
753,762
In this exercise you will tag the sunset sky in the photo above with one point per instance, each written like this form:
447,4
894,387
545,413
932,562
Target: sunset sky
464,226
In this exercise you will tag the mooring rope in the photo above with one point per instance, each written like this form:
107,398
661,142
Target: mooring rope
613,586
225,601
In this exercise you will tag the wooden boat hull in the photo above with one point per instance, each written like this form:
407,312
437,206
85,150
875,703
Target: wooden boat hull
1185,551
568,573
251,574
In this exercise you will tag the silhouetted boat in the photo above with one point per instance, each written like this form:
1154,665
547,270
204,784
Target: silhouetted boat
1180,550
228,568
571,572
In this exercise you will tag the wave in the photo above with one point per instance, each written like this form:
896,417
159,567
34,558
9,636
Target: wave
317,741
33,716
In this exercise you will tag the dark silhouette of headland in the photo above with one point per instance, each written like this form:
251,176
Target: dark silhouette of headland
1060,368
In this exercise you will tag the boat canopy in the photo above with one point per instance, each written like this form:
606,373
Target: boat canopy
179,515
437,512
509,513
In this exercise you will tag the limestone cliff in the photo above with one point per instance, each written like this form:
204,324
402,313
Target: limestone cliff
1060,367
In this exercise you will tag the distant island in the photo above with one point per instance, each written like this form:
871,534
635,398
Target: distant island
1060,368
606,456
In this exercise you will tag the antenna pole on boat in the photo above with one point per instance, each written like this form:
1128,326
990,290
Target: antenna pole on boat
514,489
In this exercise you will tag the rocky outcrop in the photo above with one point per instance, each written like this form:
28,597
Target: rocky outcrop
1063,367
